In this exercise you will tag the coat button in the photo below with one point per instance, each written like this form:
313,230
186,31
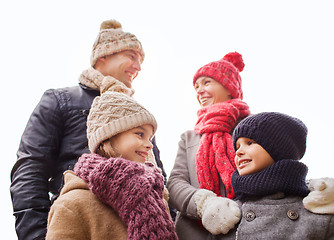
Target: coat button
250,216
292,214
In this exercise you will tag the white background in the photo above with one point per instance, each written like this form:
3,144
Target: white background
287,48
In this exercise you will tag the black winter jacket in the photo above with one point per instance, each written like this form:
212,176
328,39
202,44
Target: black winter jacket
54,138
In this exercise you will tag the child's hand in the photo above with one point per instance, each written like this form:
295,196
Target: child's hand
218,214
321,198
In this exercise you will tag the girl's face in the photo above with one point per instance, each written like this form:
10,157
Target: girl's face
251,157
209,91
134,144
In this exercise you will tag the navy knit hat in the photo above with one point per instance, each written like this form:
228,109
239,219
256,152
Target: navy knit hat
282,136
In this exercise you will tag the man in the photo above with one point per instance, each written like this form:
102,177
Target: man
55,135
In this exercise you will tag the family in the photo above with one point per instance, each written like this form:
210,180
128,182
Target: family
88,165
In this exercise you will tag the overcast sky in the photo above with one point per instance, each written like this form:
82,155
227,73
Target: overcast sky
287,48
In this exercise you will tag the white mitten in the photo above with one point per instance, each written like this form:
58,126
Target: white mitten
321,198
218,214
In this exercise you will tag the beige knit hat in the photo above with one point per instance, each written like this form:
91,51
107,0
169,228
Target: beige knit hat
112,39
113,113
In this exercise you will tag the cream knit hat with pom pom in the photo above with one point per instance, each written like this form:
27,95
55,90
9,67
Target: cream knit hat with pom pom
113,113
112,39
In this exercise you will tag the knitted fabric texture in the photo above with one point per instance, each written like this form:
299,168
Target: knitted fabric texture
132,189
113,113
225,71
95,80
287,176
111,39
282,136
215,154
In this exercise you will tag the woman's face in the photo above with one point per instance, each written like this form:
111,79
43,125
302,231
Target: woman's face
209,91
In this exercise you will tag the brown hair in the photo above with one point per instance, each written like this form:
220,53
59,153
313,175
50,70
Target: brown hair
107,150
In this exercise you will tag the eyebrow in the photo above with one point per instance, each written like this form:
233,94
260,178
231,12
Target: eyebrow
140,127
134,52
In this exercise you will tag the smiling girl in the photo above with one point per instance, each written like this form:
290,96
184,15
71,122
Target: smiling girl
115,192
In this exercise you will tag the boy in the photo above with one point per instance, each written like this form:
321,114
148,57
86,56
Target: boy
269,182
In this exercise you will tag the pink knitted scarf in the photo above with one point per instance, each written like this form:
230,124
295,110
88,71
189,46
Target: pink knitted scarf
132,189
215,155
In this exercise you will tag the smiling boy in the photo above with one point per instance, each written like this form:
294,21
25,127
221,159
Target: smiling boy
269,182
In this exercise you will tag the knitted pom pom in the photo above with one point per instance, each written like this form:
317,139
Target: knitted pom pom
110,24
236,59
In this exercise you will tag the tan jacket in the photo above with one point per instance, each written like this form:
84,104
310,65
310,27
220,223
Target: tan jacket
78,214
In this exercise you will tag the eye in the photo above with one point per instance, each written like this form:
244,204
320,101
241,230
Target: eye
140,134
131,56
206,82
250,142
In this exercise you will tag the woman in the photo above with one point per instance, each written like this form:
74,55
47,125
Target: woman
201,175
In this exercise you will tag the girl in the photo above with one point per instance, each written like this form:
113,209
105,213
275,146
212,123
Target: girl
114,192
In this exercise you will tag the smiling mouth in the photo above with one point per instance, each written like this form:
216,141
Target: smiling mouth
131,75
243,163
142,154
204,100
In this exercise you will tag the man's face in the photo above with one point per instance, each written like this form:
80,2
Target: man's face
124,66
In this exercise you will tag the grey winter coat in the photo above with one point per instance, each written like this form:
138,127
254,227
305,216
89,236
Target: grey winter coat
280,217
182,185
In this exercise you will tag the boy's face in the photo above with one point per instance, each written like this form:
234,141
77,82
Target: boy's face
251,157
134,144
124,66
209,91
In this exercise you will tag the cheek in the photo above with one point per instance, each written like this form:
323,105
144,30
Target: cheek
236,160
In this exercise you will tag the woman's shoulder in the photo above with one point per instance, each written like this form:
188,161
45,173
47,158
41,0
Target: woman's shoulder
190,138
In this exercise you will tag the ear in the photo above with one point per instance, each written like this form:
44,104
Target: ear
100,63
102,59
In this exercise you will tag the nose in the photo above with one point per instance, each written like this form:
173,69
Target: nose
137,65
239,152
199,90
148,145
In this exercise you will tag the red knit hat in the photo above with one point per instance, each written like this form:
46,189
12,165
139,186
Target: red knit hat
225,71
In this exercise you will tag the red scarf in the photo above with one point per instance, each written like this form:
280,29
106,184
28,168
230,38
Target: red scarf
215,155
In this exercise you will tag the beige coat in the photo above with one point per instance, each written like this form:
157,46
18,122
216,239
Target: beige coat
78,214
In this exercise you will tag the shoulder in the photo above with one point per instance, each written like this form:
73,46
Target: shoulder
77,198
72,91
190,138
